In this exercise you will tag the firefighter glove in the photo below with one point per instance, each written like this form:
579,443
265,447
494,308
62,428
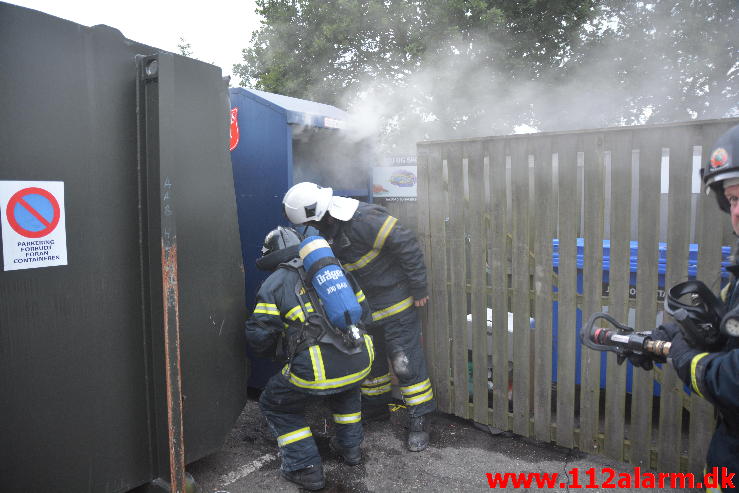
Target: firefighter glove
665,332
638,360
681,355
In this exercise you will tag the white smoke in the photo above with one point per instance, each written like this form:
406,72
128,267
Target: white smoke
463,89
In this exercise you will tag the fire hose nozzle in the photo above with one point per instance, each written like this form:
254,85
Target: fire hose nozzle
635,341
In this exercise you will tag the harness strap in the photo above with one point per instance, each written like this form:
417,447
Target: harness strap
320,264
321,329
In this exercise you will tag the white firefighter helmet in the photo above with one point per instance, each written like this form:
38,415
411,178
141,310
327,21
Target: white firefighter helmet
306,202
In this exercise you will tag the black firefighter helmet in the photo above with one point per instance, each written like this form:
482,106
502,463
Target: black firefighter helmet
280,245
722,169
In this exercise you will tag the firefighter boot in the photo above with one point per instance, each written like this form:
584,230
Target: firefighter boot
418,437
351,456
311,478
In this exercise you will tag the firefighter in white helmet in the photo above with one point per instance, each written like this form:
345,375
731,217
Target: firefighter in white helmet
388,264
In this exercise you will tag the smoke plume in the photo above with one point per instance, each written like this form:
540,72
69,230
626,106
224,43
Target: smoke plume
651,63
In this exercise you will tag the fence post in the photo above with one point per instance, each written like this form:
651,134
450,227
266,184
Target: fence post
544,213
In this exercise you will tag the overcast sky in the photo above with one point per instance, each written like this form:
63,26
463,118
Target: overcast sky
217,30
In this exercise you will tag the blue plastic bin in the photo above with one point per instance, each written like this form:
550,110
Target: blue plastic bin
633,261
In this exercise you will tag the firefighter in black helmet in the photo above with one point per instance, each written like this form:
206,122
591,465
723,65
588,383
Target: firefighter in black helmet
715,375
389,266
286,323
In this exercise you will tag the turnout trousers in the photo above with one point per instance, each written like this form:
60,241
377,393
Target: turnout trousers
283,405
397,337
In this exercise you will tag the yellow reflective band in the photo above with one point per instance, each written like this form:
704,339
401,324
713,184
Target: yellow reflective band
291,313
419,387
693,365
319,372
293,436
419,399
360,296
314,245
382,235
296,312
329,383
376,390
371,382
267,308
392,310
724,294
370,347
323,383
345,419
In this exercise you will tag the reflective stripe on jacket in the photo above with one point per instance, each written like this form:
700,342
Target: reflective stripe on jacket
382,254
320,368
715,377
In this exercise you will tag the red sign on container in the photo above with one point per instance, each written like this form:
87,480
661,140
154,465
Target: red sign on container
234,129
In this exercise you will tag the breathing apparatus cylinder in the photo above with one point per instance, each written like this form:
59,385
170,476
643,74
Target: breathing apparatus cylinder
331,285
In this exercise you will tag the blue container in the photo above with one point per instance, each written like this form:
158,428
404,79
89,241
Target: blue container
338,298
633,261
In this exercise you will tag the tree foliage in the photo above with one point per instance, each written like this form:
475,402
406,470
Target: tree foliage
184,48
677,59
323,48
484,66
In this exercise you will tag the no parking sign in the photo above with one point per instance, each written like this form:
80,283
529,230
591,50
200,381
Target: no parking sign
33,226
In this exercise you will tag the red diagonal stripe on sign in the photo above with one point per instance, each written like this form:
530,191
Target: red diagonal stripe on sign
34,212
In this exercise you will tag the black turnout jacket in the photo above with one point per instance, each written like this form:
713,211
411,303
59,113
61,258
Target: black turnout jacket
320,368
383,255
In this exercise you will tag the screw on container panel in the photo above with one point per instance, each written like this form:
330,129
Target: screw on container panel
152,68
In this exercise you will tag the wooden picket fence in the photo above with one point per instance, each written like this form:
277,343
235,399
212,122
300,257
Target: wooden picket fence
488,212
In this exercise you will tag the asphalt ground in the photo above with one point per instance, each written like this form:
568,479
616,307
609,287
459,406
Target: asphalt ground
457,459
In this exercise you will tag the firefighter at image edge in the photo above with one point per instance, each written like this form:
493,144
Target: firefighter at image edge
715,375
284,324
388,264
